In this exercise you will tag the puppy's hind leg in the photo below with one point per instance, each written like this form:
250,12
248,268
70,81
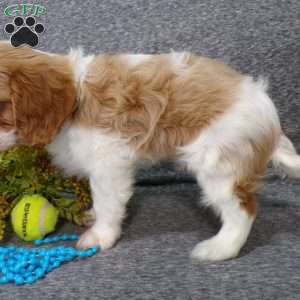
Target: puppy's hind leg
236,206
228,190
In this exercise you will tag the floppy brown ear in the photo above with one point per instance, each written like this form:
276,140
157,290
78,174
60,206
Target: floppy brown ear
43,97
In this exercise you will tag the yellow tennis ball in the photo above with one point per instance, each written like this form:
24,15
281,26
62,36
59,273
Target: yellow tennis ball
33,217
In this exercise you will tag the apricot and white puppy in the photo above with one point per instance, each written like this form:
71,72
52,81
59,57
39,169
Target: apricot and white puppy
99,116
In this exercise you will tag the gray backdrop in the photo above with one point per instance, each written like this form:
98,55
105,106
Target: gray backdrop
164,223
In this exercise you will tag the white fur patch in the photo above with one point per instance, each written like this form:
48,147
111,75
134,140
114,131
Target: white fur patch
229,240
81,64
286,159
179,61
134,60
7,139
108,162
80,151
237,223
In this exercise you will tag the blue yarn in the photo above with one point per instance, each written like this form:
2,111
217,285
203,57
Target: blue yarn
28,265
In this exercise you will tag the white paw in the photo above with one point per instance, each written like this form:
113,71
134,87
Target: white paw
215,249
105,239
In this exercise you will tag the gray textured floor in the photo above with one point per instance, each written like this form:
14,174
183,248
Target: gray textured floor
151,261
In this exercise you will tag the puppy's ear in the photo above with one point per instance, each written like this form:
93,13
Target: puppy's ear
43,97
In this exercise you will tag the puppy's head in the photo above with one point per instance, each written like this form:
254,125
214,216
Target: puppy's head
37,94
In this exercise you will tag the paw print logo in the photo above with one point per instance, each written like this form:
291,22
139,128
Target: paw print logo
24,32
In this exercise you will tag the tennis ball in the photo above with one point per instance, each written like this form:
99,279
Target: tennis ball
33,217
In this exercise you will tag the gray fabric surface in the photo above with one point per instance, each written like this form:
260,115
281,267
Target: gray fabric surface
151,260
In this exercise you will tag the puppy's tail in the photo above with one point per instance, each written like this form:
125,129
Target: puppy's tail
286,159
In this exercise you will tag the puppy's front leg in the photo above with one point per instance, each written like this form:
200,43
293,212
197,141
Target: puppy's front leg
111,188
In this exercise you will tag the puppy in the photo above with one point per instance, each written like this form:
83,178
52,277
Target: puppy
100,116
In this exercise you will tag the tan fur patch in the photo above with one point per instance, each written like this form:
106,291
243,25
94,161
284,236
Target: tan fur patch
152,106
41,89
253,170
246,194
6,116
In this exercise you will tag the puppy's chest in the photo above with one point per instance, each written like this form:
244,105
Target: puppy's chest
81,151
